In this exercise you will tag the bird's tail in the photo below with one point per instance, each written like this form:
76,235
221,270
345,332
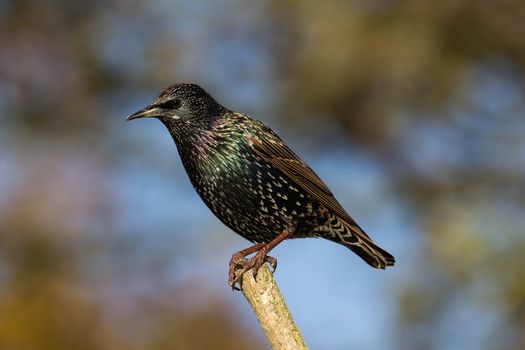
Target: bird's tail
353,237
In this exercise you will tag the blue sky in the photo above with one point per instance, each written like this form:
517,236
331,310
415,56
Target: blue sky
337,300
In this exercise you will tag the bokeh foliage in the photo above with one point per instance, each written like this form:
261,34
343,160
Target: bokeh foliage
431,90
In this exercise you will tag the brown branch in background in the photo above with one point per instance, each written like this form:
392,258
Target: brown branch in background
271,310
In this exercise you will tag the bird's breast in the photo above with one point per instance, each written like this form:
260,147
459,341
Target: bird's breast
246,193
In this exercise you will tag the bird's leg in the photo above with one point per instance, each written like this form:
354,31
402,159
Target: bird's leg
238,259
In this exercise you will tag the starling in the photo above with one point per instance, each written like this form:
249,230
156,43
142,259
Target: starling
252,181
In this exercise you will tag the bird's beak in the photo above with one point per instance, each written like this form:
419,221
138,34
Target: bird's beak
148,112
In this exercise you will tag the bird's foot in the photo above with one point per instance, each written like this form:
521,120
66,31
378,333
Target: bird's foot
272,261
239,262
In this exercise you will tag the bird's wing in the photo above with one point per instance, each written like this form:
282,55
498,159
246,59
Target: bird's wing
275,151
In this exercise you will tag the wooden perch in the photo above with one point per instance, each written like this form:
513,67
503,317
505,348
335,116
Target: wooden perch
271,311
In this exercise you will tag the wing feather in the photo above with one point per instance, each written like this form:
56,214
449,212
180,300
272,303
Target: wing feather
276,152
272,149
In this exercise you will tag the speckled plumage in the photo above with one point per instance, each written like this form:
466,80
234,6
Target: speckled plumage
250,179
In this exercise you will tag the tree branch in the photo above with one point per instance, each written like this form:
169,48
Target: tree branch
271,310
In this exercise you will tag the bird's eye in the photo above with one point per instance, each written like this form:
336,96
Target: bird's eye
171,104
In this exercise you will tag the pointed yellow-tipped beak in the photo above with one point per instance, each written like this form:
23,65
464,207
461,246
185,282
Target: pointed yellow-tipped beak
147,112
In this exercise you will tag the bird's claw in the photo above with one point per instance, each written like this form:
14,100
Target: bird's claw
272,262
238,262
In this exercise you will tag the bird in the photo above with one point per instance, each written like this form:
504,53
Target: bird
252,181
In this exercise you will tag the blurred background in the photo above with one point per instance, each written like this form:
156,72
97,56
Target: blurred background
412,112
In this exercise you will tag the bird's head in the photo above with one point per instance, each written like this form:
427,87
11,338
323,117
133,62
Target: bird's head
181,104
